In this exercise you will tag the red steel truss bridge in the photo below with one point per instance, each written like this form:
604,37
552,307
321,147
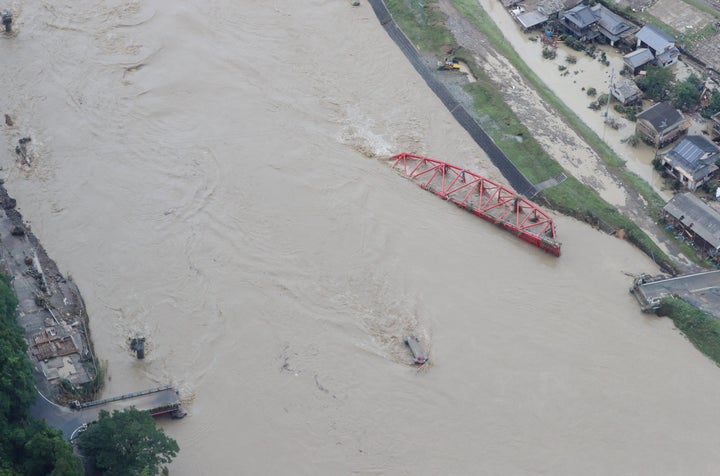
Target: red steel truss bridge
483,197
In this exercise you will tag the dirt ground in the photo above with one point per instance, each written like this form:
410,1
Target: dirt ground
551,131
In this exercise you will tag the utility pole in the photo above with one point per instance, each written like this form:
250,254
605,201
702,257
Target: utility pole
612,75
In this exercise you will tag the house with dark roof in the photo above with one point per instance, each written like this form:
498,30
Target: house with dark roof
610,25
626,91
698,221
637,59
581,21
659,43
661,124
588,23
692,161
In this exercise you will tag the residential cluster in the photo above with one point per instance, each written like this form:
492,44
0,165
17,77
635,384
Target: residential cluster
693,161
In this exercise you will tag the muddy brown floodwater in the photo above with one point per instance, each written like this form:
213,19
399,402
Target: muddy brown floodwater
211,174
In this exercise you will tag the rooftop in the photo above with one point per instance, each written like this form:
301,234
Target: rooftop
696,155
655,38
639,57
582,16
695,214
662,116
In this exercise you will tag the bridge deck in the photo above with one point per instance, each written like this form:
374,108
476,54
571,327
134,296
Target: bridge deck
700,289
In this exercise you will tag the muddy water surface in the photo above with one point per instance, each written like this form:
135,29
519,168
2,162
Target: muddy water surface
212,175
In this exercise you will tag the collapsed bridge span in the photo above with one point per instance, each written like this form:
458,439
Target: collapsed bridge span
483,197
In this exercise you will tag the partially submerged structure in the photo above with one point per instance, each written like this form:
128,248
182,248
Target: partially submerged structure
637,59
581,21
692,161
626,92
540,13
588,23
661,124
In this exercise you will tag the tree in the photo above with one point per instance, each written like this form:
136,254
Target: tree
686,94
713,107
656,82
127,443
43,451
27,446
16,384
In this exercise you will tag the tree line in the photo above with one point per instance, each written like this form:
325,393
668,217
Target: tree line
27,445
121,443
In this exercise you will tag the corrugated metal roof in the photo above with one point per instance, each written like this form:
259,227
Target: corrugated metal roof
654,37
693,148
696,215
531,19
639,57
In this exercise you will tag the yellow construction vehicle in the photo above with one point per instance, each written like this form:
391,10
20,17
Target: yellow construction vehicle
449,64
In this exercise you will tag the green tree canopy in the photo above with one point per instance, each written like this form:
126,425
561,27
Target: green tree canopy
127,443
656,82
686,94
27,446
713,107
16,384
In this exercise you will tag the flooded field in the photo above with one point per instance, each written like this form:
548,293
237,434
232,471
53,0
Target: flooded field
213,175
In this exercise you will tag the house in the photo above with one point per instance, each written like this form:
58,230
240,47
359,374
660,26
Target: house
610,25
660,44
626,91
581,21
588,23
698,221
661,124
692,161
637,59
713,126
535,17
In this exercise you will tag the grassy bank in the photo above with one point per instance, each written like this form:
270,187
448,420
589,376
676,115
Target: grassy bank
424,25
701,329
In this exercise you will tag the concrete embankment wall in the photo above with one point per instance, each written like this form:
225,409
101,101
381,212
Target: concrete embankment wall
511,173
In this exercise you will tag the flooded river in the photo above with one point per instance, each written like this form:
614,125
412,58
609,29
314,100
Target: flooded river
212,175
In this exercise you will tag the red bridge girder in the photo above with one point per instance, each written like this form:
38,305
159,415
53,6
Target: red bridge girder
483,197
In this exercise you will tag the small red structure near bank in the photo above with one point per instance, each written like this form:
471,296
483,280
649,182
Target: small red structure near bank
483,197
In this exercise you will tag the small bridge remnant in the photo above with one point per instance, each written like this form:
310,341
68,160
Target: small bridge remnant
702,290
156,401
483,197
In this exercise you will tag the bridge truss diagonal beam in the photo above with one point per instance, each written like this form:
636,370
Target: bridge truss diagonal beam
483,197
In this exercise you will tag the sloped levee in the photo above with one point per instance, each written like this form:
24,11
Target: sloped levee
511,173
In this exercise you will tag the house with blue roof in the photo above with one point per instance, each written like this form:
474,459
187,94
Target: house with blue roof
692,161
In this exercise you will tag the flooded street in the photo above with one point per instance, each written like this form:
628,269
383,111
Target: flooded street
571,85
212,174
